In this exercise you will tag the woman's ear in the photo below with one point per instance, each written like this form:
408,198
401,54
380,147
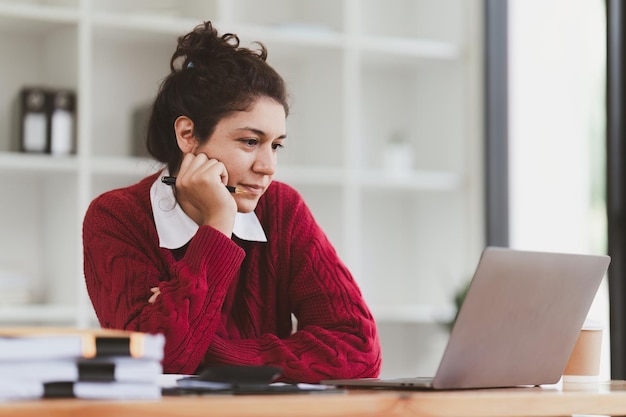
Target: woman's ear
183,126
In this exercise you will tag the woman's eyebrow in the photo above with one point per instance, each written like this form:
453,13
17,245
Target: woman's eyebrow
258,132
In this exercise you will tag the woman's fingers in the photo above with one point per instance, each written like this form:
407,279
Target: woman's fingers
155,293
200,169
201,193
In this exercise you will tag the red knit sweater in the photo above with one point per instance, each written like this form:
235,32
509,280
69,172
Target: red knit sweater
230,301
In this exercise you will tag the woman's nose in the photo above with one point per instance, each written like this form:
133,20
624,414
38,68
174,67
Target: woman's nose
265,162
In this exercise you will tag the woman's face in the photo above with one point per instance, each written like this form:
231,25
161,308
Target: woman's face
247,143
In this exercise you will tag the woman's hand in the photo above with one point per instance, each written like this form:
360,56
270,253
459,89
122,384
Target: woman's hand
201,192
156,291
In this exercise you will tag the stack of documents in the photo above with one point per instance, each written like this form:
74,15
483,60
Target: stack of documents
92,364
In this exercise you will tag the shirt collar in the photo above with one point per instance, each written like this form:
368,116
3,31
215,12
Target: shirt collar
175,228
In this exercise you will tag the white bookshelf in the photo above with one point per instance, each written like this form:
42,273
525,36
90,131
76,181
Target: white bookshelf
358,72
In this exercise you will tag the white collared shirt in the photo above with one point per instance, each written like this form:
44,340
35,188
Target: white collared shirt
175,228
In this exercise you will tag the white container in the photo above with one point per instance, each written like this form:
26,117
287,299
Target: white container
398,157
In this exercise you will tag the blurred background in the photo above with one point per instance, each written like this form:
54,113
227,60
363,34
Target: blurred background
421,131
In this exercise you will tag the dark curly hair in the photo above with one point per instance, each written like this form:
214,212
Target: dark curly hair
210,77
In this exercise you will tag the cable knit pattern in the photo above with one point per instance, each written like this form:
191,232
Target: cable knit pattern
227,300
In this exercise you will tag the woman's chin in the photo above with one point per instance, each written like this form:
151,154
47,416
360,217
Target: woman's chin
246,206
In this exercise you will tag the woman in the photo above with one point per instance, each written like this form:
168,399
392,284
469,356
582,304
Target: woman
221,273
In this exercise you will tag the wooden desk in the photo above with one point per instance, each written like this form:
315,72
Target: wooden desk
603,398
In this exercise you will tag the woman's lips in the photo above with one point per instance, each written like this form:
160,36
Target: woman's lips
252,189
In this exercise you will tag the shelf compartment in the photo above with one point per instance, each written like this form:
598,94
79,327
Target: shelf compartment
409,107
40,233
303,15
441,20
412,181
125,92
37,163
13,14
315,124
47,58
414,240
203,9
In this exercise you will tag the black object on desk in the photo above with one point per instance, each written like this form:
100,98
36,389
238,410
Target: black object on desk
233,374
240,380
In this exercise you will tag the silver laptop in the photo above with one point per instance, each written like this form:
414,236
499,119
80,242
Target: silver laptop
518,324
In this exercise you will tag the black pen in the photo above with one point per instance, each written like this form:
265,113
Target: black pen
172,181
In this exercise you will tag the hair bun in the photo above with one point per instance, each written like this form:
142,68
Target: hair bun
202,47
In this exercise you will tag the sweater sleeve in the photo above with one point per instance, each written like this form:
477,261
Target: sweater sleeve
122,262
336,335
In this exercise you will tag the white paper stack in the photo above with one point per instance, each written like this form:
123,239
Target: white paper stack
91,364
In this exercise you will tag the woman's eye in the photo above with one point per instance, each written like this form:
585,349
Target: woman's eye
250,142
277,146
